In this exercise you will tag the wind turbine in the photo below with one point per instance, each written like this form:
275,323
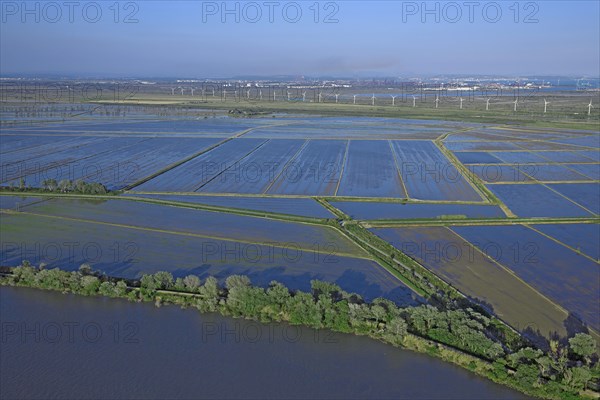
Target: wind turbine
354,96
70,91
192,90
303,96
274,95
172,91
546,105
213,92
487,105
320,96
437,100
336,98
394,100
248,94
373,99
590,106
461,101
224,94
414,101
182,90
260,94
288,93
515,103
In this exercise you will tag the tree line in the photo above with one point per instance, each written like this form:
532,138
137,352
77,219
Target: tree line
451,331
63,186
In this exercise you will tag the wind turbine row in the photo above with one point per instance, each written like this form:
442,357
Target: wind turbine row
515,103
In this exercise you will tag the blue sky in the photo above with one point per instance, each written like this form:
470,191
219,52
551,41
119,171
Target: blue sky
380,38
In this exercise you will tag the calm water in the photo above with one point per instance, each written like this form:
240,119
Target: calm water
58,346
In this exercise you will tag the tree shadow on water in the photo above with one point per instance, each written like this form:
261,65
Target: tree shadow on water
258,276
535,336
356,282
574,324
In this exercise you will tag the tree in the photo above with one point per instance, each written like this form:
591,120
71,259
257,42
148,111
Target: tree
578,377
278,294
390,308
147,287
120,289
85,269
494,351
89,285
50,184
526,355
191,282
527,375
360,317
163,280
107,289
583,345
65,185
209,293
423,317
24,274
236,281
80,186
398,327
329,289
378,313
303,310
341,321
545,365
95,188
179,285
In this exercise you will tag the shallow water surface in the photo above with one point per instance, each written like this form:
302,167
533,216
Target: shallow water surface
115,349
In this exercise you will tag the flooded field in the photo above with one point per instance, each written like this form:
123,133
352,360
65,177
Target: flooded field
310,157
306,207
556,271
380,210
538,200
476,274
199,223
132,251
278,192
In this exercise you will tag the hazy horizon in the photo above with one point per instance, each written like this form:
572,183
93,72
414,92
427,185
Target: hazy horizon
343,39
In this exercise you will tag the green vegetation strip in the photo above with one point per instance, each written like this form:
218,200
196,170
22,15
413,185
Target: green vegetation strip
391,223
456,334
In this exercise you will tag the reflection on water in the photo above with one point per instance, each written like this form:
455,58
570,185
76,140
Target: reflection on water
64,346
